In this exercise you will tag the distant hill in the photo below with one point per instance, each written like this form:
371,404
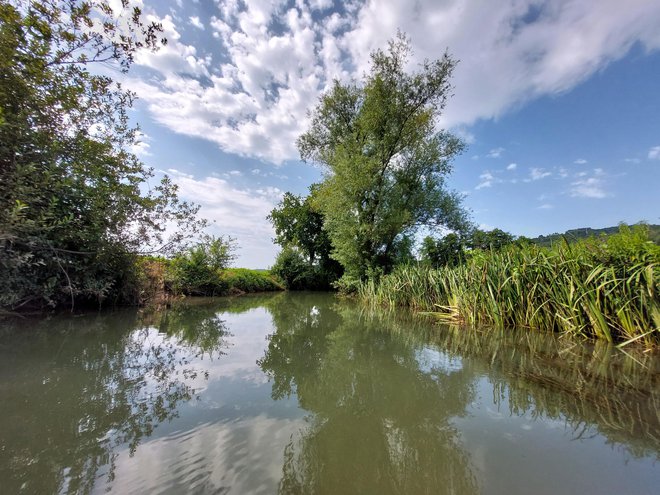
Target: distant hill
584,232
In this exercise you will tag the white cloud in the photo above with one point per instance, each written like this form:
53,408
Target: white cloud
512,166
466,136
320,4
177,173
654,153
514,50
545,206
231,173
240,213
172,60
141,145
249,88
580,161
487,180
538,173
632,160
194,20
495,153
590,187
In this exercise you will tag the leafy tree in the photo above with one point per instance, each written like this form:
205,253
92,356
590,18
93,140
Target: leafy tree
292,268
449,250
385,161
304,262
299,222
489,239
197,270
75,207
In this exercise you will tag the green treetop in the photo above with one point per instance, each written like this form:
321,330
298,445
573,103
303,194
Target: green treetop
384,160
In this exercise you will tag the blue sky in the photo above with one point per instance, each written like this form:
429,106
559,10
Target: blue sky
558,102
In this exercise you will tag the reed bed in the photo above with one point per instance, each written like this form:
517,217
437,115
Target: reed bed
603,288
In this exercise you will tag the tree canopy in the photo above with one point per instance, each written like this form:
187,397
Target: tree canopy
385,162
299,222
454,249
75,203
305,261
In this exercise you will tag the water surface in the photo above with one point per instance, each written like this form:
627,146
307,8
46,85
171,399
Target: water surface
304,393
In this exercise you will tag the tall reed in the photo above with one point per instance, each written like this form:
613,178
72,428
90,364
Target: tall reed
604,288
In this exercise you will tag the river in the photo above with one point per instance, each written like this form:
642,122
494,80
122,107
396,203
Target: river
298,393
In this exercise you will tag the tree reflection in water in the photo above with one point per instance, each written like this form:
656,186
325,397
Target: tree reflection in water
385,397
379,423
90,388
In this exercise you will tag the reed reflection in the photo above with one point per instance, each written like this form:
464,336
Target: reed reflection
591,386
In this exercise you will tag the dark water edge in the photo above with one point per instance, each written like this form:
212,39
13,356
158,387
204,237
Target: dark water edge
306,393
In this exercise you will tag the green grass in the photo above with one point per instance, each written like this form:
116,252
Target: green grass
603,288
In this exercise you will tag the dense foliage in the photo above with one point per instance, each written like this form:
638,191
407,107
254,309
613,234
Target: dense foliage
198,269
204,270
239,280
384,160
606,288
305,261
454,249
75,206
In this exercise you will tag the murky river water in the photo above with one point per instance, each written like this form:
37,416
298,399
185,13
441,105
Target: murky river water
303,393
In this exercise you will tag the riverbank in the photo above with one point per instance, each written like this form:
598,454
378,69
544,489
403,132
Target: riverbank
161,280
601,288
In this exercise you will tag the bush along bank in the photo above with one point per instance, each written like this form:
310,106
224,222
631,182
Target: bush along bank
201,270
603,288
161,280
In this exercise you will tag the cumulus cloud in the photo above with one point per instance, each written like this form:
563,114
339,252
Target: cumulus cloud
512,166
580,161
589,185
263,65
654,153
141,147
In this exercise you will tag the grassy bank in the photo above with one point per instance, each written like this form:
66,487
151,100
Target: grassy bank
604,288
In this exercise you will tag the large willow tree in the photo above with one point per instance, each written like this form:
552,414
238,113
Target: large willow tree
75,206
384,158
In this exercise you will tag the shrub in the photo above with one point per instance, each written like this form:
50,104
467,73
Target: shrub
197,270
246,280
